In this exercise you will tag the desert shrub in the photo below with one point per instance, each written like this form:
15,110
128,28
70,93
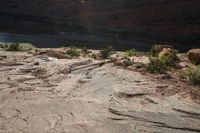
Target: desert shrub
141,53
182,75
154,51
85,50
13,47
169,57
20,47
105,53
193,75
167,60
73,51
26,47
156,66
124,62
130,52
94,56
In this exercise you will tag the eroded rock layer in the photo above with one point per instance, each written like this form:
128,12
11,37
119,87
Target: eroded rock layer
161,20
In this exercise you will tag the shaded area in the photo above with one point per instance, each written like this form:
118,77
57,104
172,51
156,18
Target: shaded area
82,40
169,21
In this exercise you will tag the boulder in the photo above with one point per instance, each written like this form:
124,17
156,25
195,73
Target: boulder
156,49
194,56
169,56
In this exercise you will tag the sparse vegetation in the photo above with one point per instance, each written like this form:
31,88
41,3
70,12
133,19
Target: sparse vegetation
26,47
182,75
153,51
105,53
163,59
13,47
19,47
156,66
130,52
193,75
167,60
124,62
73,51
85,51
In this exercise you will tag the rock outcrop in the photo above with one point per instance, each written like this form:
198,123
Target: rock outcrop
128,18
156,49
194,56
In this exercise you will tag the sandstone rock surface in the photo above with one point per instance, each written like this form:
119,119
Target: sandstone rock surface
87,96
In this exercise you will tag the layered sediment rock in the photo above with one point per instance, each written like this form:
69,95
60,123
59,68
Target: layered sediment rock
151,20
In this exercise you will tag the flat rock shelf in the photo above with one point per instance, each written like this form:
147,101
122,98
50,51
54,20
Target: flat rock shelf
83,95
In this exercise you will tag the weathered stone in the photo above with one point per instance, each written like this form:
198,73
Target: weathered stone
194,56
36,63
57,53
156,49
160,122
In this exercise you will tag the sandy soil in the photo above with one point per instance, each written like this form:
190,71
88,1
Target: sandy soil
39,94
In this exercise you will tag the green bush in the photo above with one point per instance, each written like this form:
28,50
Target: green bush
20,47
154,52
130,52
124,62
13,47
85,51
26,47
182,75
156,66
170,59
73,51
167,60
105,53
193,75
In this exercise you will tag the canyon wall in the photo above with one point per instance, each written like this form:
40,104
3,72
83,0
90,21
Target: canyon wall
150,19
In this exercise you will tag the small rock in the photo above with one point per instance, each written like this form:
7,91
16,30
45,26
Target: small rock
36,63
82,81
2,57
8,78
153,99
129,94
